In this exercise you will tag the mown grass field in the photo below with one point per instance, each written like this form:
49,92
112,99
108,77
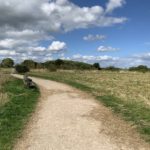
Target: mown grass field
126,93
16,106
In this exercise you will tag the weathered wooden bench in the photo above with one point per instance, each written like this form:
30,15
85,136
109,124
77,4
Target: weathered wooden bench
28,82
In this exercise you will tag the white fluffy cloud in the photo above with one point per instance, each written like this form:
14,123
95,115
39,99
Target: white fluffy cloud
143,57
57,46
24,24
113,4
11,43
37,49
28,35
91,37
35,52
107,49
105,60
93,58
54,15
7,52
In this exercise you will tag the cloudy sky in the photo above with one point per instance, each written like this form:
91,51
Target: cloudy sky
111,32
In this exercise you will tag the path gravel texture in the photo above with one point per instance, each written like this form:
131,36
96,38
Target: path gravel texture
68,119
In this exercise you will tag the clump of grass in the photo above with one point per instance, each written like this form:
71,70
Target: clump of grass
3,98
132,111
15,113
3,95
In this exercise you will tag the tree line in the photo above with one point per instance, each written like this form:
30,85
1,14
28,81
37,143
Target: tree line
53,65
49,65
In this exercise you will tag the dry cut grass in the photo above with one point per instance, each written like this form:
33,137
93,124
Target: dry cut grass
3,96
129,86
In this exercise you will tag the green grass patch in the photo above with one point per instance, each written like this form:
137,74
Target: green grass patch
15,114
134,111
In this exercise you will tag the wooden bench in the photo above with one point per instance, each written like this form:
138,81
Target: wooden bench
28,82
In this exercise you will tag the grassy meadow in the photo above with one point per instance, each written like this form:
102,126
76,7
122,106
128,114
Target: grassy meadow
16,106
126,93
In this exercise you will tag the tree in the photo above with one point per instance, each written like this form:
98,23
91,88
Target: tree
7,62
21,69
140,68
59,62
29,63
97,66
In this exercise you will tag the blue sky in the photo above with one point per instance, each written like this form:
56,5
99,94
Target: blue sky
131,37
111,32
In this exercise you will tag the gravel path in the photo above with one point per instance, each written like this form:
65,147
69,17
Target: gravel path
67,119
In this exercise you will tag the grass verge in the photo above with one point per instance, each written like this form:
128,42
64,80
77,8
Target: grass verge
14,114
135,112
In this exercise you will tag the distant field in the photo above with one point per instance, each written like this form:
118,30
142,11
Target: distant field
127,93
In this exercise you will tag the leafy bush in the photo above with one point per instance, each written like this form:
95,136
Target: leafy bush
29,63
140,68
59,62
112,68
97,66
21,69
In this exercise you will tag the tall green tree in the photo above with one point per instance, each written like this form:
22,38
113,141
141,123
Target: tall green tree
29,63
59,62
7,63
97,66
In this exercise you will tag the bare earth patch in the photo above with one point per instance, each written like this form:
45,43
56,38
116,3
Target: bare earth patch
67,119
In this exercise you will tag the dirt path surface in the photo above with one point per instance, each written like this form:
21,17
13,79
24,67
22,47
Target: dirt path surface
67,119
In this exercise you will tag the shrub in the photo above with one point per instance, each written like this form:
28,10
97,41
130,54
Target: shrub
97,66
59,62
21,69
29,63
112,68
140,68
